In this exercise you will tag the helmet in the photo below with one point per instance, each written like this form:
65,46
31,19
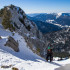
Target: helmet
49,47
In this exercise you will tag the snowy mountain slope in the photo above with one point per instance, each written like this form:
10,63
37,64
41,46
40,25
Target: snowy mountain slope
42,65
7,54
23,53
24,27
7,59
25,59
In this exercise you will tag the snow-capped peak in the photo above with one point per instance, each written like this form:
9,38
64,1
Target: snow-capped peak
58,15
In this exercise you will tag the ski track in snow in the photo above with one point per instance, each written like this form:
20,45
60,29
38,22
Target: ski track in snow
25,59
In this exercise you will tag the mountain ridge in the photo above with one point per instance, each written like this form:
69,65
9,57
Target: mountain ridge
60,20
24,27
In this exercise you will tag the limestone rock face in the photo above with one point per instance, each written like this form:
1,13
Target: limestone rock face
13,44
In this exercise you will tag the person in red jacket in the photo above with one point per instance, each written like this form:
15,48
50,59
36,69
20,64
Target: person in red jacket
49,54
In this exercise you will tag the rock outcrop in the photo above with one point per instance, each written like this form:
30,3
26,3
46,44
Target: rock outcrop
13,44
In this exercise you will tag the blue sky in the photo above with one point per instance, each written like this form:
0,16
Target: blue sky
39,6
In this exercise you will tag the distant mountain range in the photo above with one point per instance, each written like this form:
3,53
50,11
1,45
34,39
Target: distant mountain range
55,21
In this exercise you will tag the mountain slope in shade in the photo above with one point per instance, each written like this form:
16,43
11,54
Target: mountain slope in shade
46,27
41,20
58,20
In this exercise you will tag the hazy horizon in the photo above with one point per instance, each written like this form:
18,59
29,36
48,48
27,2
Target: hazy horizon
39,6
